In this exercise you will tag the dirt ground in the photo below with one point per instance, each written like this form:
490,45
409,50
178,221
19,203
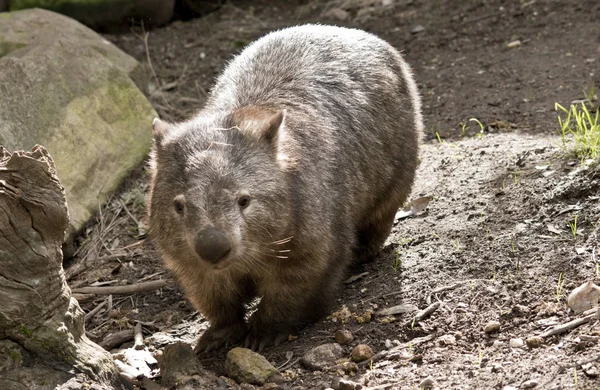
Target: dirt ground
496,242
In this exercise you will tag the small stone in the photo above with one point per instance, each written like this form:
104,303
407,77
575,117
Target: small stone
492,327
178,361
427,383
322,356
348,367
590,370
516,343
343,336
446,340
339,14
520,310
346,384
497,367
361,353
530,384
388,344
497,344
534,341
417,29
246,366
513,44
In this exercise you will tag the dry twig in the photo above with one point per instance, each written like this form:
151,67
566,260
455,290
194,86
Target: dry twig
129,289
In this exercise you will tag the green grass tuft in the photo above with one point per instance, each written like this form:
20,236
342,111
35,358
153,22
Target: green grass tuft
584,129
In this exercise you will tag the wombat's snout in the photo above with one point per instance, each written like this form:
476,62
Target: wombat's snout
212,244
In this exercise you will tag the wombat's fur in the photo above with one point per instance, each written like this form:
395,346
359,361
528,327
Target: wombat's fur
296,166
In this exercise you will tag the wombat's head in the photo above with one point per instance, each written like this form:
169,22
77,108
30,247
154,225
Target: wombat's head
218,194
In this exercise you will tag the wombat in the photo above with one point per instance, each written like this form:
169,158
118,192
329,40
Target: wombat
295,167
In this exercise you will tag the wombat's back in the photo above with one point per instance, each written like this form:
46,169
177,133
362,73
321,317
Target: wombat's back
354,119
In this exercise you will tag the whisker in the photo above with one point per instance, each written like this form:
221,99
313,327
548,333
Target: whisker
282,241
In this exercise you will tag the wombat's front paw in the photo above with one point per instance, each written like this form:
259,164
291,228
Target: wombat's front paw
261,337
216,337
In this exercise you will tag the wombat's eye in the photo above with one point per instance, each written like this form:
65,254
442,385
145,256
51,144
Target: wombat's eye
244,201
179,204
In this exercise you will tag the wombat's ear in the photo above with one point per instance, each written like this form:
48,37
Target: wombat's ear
159,129
262,123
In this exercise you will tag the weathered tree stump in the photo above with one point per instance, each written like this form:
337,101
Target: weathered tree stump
42,337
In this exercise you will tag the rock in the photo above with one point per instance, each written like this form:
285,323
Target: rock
96,126
590,370
180,367
513,44
322,356
389,344
497,367
446,340
417,29
346,384
492,327
106,15
338,13
347,367
361,353
497,344
427,383
516,343
534,341
530,384
343,336
584,297
246,366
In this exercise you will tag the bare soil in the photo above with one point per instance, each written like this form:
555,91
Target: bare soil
496,242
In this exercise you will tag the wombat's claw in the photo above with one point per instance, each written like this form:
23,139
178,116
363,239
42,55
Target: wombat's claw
218,337
258,342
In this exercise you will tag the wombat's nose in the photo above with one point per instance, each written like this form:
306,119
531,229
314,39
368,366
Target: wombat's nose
212,244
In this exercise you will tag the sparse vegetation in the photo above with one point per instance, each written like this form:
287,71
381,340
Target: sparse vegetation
584,129
559,287
573,226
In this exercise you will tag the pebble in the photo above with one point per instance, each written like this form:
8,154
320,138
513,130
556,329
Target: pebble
534,341
491,327
343,336
427,383
246,366
339,14
361,353
389,344
322,356
590,370
178,360
417,29
497,367
497,344
446,340
346,384
516,343
530,384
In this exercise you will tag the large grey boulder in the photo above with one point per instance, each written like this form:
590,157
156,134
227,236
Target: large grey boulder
105,15
65,87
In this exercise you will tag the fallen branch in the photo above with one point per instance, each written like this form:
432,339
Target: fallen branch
94,311
138,337
392,352
558,329
113,340
129,289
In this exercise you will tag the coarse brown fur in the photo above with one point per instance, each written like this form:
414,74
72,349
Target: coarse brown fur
296,166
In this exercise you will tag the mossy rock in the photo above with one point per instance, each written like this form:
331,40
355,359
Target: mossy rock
67,88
